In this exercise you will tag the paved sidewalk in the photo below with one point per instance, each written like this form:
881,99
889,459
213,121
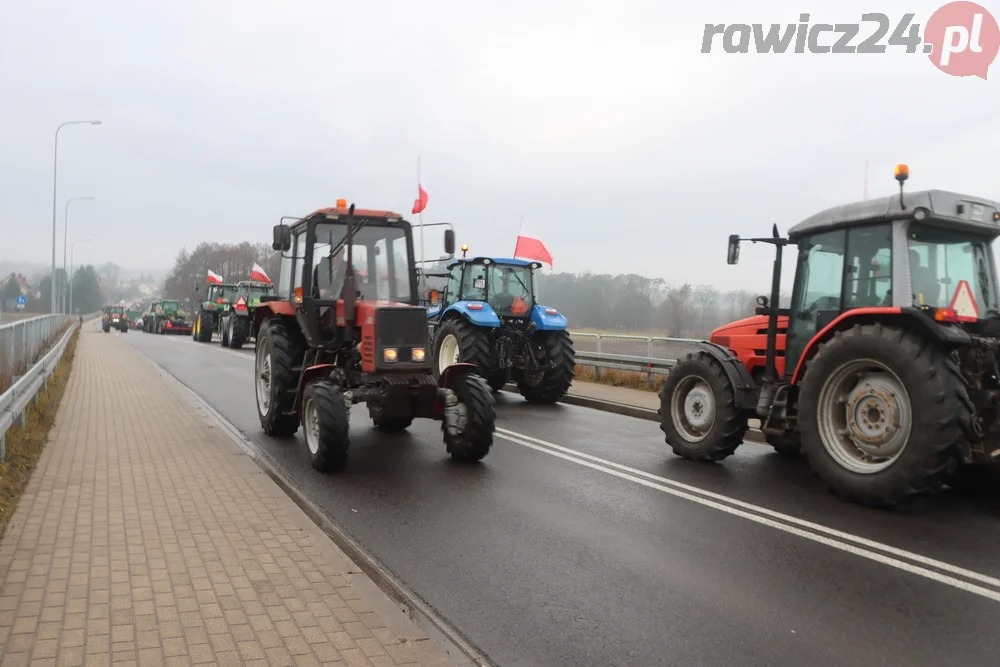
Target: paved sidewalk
606,392
147,537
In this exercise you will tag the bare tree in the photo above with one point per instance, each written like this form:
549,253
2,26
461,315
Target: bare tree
706,296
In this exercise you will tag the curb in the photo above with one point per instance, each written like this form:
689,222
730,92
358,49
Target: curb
626,410
447,637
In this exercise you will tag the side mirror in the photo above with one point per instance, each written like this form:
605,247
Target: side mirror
449,241
762,301
733,257
282,238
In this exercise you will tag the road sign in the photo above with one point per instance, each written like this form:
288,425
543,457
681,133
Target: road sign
22,301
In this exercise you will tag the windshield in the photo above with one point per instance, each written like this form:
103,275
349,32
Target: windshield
115,310
509,290
256,292
223,292
170,306
381,260
941,259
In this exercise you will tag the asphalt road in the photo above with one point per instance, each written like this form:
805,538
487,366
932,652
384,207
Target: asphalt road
581,541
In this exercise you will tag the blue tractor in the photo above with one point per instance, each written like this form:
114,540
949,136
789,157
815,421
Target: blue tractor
487,315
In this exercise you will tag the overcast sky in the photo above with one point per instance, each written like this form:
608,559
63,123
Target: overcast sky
624,148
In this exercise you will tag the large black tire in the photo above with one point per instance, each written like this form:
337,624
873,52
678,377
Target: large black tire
560,358
239,331
480,419
284,349
389,424
474,346
224,330
720,438
787,445
204,326
923,382
327,425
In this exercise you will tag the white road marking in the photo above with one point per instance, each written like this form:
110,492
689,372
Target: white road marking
767,517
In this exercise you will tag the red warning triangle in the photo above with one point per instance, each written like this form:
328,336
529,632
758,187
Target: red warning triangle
241,303
964,304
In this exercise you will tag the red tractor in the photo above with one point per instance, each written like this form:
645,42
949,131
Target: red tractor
884,370
343,328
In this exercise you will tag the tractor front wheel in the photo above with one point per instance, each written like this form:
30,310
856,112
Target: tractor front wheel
277,379
459,341
698,412
326,421
881,412
480,419
559,359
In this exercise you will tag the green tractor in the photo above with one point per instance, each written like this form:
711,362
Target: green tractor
168,316
210,312
237,324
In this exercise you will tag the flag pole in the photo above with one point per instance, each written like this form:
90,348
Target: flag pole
423,278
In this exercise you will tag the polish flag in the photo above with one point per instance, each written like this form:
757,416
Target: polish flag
214,277
420,203
257,273
529,248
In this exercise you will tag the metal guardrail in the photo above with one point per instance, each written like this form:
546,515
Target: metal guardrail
650,364
20,344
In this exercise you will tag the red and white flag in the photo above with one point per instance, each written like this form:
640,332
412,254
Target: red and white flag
529,248
420,203
257,274
214,277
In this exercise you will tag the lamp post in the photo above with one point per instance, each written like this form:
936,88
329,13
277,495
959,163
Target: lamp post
72,248
55,174
62,289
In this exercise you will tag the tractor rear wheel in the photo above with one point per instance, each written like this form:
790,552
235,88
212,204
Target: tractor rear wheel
698,413
559,357
480,419
224,330
390,424
204,326
326,421
459,341
277,378
881,412
788,445
239,331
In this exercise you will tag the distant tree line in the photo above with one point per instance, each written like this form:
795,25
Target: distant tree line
232,261
631,302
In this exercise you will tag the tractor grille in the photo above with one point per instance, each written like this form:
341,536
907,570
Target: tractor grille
401,327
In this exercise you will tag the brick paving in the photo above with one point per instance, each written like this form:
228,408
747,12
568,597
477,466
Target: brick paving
146,537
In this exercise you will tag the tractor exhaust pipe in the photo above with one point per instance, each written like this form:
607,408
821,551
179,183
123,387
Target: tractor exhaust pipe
770,368
350,284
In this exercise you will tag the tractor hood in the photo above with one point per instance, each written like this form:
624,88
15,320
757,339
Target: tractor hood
750,326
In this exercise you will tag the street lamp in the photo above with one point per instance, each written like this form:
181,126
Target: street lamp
71,249
62,289
55,174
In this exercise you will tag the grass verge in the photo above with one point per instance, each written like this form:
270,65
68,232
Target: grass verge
24,446
616,378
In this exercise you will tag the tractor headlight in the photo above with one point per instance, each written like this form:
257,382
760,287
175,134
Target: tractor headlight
418,355
390,354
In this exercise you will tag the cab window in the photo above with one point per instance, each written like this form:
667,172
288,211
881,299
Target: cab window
474,282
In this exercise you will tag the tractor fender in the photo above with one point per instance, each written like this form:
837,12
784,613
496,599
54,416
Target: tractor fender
481,314
744,388
548,319
945,335
270,309
308,375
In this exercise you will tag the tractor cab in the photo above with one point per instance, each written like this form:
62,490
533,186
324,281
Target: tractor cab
219,295
883,371
252,292
505,285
